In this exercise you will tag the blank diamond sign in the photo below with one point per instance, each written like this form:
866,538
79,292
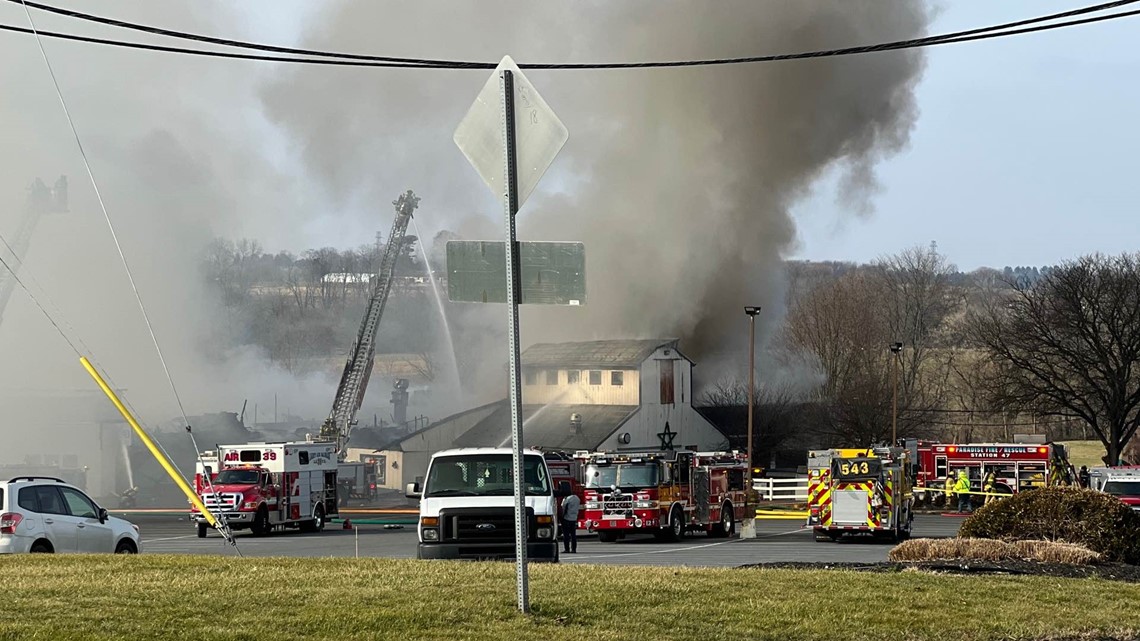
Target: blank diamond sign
539,134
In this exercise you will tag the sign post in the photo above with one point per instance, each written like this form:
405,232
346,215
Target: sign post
512,254
523,149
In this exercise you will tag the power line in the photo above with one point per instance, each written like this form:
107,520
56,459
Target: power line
224,527
485,65
360,60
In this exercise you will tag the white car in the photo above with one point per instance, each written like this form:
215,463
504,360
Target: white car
43,514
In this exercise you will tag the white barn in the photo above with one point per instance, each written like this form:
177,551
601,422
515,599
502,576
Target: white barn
633,395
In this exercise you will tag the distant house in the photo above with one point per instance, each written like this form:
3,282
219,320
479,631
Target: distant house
342,277
633,395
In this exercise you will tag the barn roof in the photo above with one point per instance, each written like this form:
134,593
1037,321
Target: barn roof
599,354
548,426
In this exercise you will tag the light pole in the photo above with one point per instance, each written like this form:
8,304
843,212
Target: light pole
752,312
895,349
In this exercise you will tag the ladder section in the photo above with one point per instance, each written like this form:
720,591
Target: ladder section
42,200
358,368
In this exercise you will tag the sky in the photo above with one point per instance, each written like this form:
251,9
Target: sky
1023,153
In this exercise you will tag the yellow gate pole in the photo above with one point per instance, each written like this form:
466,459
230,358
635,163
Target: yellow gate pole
178,480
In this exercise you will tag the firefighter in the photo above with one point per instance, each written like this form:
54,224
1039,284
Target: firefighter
989,486
949,489
1083,476
962,489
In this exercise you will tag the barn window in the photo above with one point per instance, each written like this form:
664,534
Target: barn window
573,376
551,377
617,377
531,377
595,377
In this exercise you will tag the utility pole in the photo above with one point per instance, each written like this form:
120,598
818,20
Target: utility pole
895,349
748,530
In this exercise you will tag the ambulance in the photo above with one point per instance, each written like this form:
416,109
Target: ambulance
267,486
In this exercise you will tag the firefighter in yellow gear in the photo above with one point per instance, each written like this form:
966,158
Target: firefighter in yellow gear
962,489
949,489
989,486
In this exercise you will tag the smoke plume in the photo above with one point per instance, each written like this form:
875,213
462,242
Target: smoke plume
679,182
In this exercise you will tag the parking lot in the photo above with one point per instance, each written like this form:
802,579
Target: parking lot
776,541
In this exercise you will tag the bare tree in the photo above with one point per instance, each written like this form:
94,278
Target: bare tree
776,418
914,294
837,324
1069,343
424,364
847,325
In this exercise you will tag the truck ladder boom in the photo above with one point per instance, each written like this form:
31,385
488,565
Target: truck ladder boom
354,381
39,202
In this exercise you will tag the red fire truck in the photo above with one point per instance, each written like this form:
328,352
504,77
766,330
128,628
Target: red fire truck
663,493
566,468
1016,466
262,486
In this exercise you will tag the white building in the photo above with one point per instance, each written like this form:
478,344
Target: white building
633,395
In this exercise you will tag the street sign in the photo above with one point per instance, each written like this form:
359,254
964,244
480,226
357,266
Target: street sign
550,273
528,138
539,134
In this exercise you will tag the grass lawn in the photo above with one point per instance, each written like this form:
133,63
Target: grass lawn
1085,453
187,597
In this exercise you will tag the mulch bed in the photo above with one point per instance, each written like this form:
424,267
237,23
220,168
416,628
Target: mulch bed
1111,571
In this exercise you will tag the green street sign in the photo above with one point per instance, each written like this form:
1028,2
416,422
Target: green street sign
551,273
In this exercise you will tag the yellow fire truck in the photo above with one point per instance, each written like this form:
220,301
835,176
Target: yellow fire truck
854,491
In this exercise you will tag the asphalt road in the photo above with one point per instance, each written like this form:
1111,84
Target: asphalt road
776,541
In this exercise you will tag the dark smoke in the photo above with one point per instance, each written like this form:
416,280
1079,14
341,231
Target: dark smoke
679,182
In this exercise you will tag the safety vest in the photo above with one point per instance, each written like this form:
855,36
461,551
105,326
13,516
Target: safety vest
962,485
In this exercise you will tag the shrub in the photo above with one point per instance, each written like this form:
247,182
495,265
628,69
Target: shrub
1090,519
991,550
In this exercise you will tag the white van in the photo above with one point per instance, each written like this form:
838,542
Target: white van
467,506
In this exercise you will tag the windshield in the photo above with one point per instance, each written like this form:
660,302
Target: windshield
484,475
1123,488
236,477
622,475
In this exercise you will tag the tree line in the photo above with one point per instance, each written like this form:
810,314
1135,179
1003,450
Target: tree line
982,355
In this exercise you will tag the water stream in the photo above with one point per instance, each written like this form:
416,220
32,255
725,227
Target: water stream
454,373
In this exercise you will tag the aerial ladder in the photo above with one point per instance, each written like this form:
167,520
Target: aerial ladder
354,381
42,200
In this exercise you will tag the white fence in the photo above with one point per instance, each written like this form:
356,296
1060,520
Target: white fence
793,489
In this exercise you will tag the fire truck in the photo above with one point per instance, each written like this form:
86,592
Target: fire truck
266,486
566,468
1121,481
663,493
1016,466
853,491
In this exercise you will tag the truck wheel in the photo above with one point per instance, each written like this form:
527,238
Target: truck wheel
727,523
201,530
676,529
260,525
607,537
317,523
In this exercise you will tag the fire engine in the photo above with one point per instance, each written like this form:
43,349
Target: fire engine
853,491
262,486
565,468
1016,466
663,493
1121,481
